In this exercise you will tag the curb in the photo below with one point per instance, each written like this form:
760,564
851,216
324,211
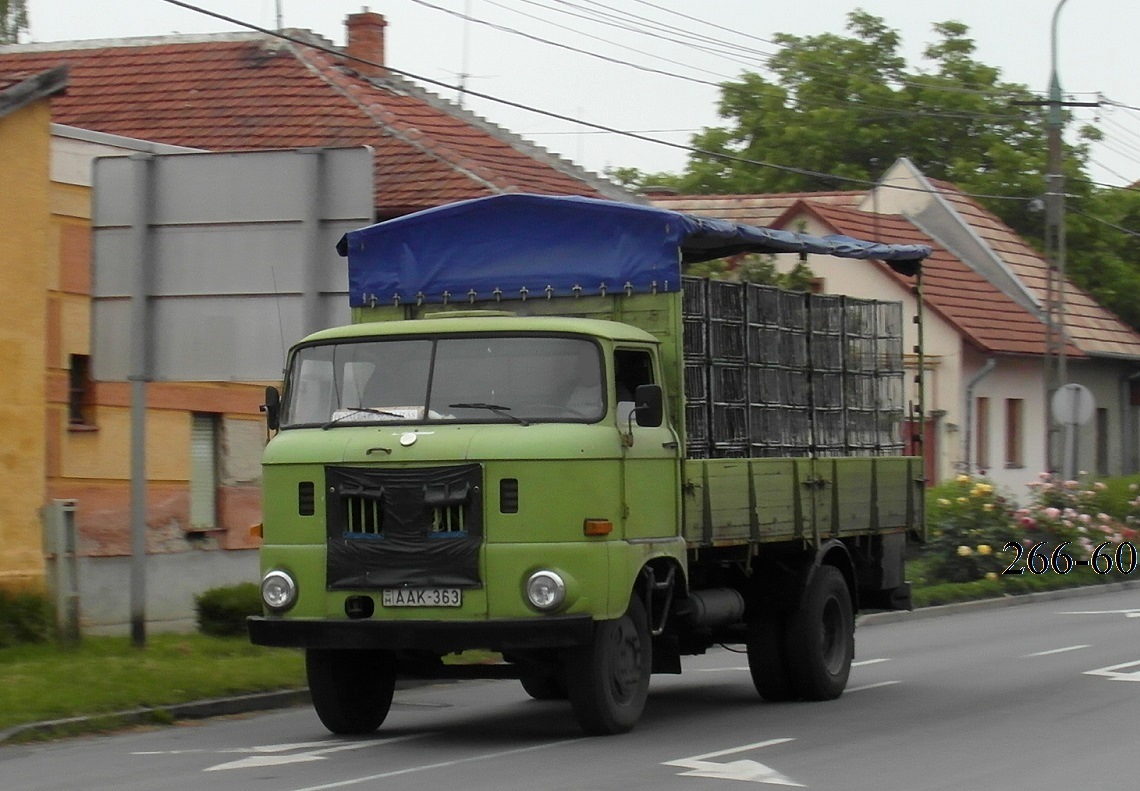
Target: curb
149,715
193,710
980,605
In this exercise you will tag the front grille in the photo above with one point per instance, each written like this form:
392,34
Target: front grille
393,527
363,516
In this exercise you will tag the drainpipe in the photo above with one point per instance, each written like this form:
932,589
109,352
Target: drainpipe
979,376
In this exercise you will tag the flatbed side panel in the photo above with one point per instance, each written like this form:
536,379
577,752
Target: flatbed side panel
778,509
895,479
853,491
738,501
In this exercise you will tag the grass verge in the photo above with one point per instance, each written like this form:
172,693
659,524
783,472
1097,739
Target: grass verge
105,675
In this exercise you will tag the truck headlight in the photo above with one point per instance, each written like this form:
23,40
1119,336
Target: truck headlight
545,590
278,590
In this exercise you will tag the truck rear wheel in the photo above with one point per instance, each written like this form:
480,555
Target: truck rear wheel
608,682
766,660
351,690
821,638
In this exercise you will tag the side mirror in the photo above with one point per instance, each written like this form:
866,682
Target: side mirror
272,408
649,406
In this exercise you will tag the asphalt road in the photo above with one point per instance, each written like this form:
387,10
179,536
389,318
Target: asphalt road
1028,697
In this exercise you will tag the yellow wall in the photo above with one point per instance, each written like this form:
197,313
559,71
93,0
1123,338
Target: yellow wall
25,150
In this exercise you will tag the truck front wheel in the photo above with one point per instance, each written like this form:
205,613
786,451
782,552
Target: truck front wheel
351,690
608,682
821,637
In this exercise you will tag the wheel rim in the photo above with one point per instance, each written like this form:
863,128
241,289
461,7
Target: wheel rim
832,648
625,667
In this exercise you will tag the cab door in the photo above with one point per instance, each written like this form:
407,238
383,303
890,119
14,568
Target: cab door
650,461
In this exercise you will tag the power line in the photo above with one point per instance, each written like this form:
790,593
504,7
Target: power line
541,40
1109,224
815,174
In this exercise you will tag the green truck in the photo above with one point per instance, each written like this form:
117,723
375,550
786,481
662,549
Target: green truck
542,441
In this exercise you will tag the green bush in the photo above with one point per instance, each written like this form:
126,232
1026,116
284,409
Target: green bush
222,611
25,617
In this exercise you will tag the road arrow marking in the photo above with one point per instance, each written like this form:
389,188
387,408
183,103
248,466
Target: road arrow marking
744,770
1113,672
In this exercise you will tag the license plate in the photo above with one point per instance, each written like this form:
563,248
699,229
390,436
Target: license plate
423,597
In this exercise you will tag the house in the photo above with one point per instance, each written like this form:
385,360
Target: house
985,337
70,436
25,276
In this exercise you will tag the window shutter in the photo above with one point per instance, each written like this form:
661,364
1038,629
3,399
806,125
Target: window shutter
203,471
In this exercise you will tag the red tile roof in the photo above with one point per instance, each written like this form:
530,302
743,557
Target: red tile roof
1092,327
987,318
759,210
251,91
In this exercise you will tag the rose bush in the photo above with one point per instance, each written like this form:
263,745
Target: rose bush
970,523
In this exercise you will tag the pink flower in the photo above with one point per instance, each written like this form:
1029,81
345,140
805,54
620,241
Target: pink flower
1028,522
1100,486
1051,513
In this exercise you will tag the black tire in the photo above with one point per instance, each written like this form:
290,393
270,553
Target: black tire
351,690
608,682
766,660
544,686
821,637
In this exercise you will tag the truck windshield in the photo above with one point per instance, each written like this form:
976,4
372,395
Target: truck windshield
496,379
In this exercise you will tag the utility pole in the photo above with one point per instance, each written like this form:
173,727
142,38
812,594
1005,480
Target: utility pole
1056,368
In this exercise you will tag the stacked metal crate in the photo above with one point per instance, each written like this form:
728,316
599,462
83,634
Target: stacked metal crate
695,340
728,370
774,373
778,374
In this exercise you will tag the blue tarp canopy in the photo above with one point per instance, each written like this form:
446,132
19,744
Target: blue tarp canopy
514,245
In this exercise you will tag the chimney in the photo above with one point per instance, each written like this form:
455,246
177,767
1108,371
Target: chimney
366,41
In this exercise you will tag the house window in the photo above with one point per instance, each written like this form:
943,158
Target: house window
204,471
80,395
982,434
1014,433
1102,441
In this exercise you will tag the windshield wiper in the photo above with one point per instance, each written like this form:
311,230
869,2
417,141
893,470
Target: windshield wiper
498,409
355,410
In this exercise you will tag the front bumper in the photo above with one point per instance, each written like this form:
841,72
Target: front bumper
556,631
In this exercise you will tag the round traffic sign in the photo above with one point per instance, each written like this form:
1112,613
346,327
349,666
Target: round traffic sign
1073,404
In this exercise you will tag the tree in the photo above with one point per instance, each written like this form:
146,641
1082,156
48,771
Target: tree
847,107
13,19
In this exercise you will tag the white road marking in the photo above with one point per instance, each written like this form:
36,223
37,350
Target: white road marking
866,662
277,759
1133,613
440,765
1056,651
744,770
1113,672
872,686
721,669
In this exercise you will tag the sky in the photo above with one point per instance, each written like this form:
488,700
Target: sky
591,59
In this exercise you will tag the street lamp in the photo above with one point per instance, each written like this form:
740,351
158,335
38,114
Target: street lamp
1056,376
